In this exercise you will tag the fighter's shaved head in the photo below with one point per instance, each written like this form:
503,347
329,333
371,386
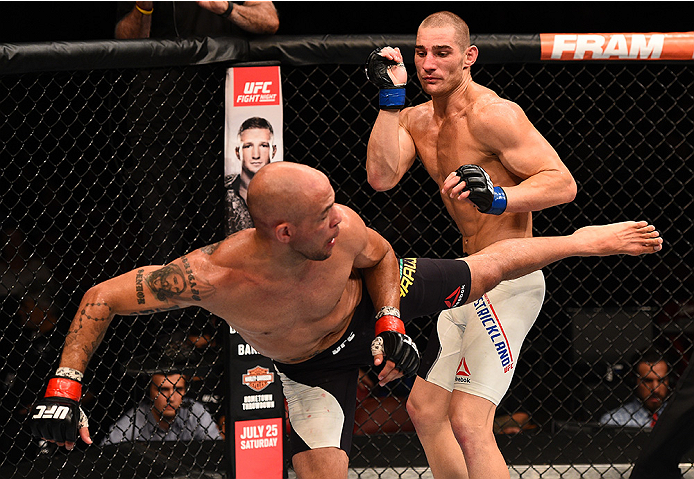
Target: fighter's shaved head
448,19
283,192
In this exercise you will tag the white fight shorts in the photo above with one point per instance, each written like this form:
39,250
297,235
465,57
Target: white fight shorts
475,347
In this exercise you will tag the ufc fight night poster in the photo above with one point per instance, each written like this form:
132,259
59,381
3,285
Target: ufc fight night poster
252,134
252,139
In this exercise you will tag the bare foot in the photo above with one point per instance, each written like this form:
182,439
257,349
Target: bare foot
630,237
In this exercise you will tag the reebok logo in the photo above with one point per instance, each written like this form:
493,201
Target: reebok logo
463,370
463,374
455,297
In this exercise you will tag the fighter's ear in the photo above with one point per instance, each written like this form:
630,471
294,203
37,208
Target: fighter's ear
470,56
274,151
238,153
284,232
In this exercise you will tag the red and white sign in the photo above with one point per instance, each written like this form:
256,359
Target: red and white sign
258,448
251,92
617,46
254,86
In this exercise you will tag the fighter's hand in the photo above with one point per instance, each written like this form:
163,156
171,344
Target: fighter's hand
58,417
473,183
393,346
385,69
454,187
400,353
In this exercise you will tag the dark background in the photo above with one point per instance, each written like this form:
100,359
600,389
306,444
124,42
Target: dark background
76,21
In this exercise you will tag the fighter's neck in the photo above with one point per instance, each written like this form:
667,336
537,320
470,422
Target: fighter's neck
280,259
454,100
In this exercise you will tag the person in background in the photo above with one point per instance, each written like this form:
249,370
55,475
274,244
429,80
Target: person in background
165,415
652,374
671,437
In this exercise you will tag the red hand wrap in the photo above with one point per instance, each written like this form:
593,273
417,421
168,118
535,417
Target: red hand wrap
389,323
63,387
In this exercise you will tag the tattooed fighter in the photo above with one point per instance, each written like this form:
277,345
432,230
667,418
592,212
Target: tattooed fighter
307,287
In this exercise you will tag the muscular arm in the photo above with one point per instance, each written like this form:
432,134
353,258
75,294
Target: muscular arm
379,265
381,272
390,151
505,129
144,290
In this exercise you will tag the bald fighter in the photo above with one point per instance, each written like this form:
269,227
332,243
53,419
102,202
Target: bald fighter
333,285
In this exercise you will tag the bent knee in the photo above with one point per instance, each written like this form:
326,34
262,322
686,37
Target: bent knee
470,428
425,412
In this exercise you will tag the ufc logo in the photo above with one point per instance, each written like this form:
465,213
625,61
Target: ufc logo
53,412
254,87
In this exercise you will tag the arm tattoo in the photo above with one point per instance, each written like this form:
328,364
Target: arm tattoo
166,282
139,289
195,291
209,249
92,312
153,310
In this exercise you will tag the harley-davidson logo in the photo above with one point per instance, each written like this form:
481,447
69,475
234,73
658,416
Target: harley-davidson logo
258,378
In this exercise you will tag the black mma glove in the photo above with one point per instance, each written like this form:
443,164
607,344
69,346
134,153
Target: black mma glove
58,416
488,198
391,96
392,342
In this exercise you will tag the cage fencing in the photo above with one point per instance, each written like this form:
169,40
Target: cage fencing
120,164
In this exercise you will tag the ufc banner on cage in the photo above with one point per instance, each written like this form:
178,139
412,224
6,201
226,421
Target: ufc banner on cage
252,134
252,139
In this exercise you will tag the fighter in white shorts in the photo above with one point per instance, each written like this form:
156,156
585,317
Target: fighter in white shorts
474,348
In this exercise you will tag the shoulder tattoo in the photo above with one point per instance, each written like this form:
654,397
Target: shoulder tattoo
209,249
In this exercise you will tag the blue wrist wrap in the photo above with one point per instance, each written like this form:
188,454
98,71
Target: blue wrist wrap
499,202
391,98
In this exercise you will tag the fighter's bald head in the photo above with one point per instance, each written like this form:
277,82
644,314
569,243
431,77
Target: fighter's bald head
284,192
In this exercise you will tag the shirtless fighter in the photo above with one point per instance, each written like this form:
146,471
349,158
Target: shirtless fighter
493,169
328,278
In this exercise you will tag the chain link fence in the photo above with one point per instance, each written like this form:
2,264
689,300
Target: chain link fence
104,170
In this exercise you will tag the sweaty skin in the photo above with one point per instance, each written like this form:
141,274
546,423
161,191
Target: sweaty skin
467,123
287,306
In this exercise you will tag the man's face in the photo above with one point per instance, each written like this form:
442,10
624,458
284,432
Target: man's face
317,233
256,150
439,60
652,386
167,392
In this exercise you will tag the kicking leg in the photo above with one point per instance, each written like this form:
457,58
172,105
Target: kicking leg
516,257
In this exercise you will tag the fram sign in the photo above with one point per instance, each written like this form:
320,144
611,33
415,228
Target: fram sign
617,46
255,86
